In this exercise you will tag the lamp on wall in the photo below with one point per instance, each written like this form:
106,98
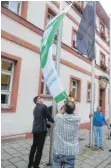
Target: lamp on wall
103,81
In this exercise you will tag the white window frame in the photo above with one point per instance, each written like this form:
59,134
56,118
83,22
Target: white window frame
102,28
44,89
74,39
8,92
89,92
101,59
74,87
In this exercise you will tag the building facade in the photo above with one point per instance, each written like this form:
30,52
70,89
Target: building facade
23,24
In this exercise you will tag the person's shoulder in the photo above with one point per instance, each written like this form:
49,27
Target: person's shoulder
76,116
43,105
50,108
59,116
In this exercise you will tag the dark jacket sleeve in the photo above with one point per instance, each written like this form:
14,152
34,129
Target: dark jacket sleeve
48,115
50,110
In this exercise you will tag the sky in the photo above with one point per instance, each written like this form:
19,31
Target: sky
106,5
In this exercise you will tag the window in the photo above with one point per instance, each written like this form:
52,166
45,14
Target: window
102,31
44,89
103,62
6,81
10,74
12,5
89,92
50,16
76,88
102,59
74,40
102,28
80,3
89,89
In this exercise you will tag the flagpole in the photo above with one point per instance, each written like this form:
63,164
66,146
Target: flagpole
91,144
110,77
54,105
92,103
59,44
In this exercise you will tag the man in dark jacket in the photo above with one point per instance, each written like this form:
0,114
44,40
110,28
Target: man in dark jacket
41,115
50,112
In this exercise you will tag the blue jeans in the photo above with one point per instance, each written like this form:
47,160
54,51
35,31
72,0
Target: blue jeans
65,161
98,136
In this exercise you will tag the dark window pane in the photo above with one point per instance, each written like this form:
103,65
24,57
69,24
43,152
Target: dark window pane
4,99
74,83
6,65
89,87
100,103
42,87
50,15
47,91
74,39
4,3
73,44
5,82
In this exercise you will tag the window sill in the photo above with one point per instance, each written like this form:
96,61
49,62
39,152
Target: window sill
6,107
12,10
78,101
46,97
102,38
105,70
74,48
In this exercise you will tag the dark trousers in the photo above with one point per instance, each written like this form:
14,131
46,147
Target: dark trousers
36,149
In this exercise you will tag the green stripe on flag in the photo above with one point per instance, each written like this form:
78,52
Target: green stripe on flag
48,38
60,97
